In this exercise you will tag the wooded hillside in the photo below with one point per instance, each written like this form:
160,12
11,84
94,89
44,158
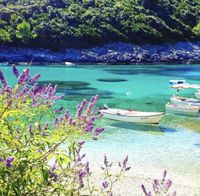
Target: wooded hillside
60,24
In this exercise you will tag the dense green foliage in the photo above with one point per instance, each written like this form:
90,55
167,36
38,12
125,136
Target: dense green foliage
32,161
84,23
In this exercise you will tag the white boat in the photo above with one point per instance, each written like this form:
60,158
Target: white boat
185,101
182,109
69,64
4,63
197,94
174,82
132,116
185,86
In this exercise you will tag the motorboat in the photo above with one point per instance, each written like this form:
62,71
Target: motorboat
185,101
174,82
182,109
133,116
185,86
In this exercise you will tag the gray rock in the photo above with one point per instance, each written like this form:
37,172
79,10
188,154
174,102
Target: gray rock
113,53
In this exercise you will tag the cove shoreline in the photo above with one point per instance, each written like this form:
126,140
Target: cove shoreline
113,53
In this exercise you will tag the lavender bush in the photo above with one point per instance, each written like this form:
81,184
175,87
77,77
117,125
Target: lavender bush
160,187
31,133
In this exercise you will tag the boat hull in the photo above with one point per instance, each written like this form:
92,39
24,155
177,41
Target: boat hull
151,118
197,95
182,109
185,101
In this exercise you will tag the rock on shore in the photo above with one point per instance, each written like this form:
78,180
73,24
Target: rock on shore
115,53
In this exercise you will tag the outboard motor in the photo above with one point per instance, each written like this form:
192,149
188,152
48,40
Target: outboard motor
104,107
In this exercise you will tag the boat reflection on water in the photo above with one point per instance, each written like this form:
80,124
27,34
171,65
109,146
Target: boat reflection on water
156,129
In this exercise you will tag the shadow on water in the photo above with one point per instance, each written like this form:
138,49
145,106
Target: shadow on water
197,145
142,127
177,122
175,71
111,80
77,90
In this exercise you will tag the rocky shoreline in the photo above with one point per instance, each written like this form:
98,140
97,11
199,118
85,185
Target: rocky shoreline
115,53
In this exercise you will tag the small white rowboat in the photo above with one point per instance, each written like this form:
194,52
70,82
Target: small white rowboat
185,101
132,116
183,109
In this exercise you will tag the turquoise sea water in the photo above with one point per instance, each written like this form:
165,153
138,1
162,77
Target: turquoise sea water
137,87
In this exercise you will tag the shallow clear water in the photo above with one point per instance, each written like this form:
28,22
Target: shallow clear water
136,87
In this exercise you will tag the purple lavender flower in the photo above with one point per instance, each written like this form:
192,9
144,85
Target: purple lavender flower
125,162
3,80
80,158
160,187
40,128
27,71
145,191
70,120
66,115
53,175
91,104
46,126
164,175
23,91
81,175
34,88
167,184
81,143
155,186
80,108
91,121
15,71
54,90
9,161
105,184
34,78
98,131
56,122
127,168
88,128
31,129
23,77
55,165
58,110
7,89
87,168
105,161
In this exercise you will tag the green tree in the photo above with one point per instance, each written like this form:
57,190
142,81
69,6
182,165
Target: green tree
24,32
196,29
4,36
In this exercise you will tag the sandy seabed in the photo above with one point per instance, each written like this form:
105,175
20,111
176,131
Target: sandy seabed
130,184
